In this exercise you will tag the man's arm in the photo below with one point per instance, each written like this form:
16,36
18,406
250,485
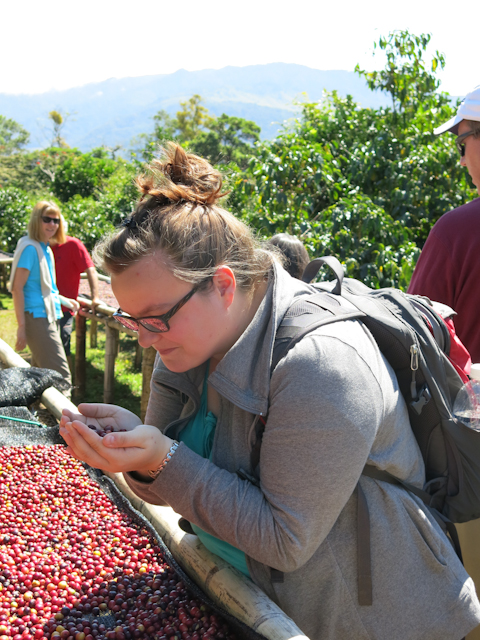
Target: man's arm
93,283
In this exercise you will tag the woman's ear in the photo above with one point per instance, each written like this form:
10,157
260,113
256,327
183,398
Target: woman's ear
225,283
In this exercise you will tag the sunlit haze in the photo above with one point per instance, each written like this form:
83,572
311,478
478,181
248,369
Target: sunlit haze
57,45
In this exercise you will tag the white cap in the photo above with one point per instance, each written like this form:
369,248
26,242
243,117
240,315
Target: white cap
468,110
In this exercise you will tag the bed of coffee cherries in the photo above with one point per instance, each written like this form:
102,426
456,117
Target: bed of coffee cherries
75,567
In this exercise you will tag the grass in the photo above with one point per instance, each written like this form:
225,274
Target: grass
128,379
8,323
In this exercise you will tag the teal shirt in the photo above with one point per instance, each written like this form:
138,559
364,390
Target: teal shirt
32,291
198,436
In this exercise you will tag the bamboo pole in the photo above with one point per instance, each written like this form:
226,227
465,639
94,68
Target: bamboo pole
138,356
226,586
110,354
80,356
148,361
222,583
93,334
103,308
100,276
53,400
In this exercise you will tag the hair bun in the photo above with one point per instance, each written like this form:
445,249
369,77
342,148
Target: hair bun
178,176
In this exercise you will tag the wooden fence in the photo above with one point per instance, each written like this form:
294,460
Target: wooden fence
103,313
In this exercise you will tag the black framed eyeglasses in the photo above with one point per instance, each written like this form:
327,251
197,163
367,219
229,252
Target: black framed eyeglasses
47,219
459,141
155,324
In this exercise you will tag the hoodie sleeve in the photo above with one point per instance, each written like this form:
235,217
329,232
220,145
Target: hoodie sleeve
326,407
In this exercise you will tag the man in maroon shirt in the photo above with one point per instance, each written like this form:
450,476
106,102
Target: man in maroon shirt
448,269
72,259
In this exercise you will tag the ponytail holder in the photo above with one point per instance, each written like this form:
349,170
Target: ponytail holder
129,222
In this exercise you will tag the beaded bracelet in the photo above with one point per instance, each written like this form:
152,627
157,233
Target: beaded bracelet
153,474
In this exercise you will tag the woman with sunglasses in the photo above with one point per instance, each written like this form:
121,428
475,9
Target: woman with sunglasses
199,288
35,293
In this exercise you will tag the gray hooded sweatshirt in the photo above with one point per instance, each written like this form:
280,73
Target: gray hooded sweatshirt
333,405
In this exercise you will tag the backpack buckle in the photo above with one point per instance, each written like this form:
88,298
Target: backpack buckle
424,398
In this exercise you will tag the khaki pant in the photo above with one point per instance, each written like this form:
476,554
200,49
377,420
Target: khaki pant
469,534
43,339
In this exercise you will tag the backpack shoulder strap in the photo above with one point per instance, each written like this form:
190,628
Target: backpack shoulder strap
335,265
306,314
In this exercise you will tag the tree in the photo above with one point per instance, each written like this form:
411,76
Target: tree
342,170
228,139
407,77
192,118
166,127
82,174
33,171
58,121
15,209
373,247
12,136
222,140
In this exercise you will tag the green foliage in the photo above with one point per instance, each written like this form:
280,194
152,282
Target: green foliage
119,194
92,217
365,184
12,136
407,77
192,118
15,210
86,220
223,140
89,218
34,171
166,127
373,247
291,180
229,139
82,175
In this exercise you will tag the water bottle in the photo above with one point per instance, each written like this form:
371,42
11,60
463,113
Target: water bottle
466,407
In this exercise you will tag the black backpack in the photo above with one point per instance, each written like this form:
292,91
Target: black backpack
416,342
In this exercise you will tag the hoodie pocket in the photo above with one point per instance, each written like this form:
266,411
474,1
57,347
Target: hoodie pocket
425,532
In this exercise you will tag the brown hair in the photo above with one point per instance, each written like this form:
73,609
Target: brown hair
45,208
178,215
475,127
296,256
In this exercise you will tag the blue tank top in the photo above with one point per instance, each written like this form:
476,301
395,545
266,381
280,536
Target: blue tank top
198,436
32,291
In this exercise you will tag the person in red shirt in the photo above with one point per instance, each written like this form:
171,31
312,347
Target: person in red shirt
72,259
448,269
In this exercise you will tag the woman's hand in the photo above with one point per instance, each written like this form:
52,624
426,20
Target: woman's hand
140,448
21,339
102,415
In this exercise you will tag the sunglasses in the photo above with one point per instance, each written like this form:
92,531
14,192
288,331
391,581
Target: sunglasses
155,324
47,219
459,141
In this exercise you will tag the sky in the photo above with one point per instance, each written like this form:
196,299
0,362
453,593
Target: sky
55,44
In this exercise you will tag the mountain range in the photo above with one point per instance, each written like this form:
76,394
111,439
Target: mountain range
114,111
